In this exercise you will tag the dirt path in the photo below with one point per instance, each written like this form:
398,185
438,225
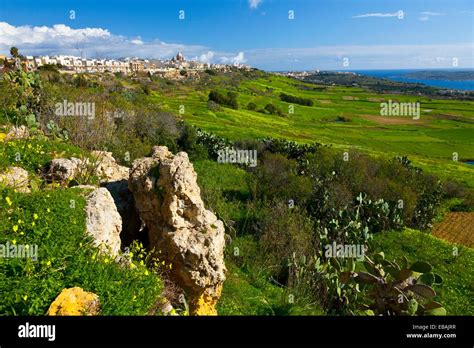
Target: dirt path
456,228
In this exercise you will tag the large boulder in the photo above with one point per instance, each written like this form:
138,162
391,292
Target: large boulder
75,301
16,178
103,222
189,236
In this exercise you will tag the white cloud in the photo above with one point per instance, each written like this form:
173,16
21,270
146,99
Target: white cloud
254,3
428,13
382,15
206,57
97,42
238,59
11,35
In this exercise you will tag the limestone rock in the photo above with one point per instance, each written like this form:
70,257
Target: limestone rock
16,178
63,169
103,221
15,132
108,169
189,237
75,301
103,165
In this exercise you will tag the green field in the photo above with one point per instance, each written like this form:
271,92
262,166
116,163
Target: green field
445,127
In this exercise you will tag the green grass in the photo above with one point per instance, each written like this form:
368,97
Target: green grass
35,153
247,290
240,297
446,125
65,258
453,262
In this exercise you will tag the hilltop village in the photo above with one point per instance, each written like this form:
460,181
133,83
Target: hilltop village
173,68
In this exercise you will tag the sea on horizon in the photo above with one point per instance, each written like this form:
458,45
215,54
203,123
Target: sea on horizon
398,75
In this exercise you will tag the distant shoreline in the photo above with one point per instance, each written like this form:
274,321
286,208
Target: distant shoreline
453,79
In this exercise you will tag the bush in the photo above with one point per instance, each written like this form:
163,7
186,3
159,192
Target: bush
252,106
276,178
213,143
273,110
285,231
213,106
296,100
229,100
188,142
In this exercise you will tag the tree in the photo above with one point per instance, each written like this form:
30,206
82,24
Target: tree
14,52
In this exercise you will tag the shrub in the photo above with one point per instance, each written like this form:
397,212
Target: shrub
273,110
213,143
213,106
229,100
276,178
188,142
285,231
296,100
252,106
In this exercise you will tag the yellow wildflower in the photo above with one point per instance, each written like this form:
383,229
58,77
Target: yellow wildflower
8,200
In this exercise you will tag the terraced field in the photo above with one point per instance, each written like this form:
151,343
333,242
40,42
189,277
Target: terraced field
457,227
345,117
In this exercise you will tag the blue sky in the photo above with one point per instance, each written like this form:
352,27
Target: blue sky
366,34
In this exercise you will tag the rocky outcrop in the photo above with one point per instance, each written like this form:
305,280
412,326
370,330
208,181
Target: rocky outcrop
107,169
103,221
16,178
75,301
102,165
188,236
